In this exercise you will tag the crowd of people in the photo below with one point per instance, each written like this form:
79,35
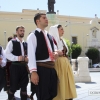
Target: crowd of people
43,58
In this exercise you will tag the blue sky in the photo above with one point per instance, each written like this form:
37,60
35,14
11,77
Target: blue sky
84,8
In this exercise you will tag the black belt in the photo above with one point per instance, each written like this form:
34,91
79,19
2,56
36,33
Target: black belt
2,67
19,63
48,64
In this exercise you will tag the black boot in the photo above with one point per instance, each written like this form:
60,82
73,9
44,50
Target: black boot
11,96
23,96
31,96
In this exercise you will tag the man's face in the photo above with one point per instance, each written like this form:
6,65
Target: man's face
20,32
43,21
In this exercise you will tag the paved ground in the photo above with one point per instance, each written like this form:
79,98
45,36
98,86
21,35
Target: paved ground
94,69
82,89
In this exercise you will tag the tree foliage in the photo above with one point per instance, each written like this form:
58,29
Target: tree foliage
92,53
76,50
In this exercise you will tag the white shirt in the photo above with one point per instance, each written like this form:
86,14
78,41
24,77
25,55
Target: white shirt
60,45
3,64
9,49
32,44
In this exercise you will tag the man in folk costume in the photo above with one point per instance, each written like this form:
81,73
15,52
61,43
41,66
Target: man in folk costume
41,55
16,53
7,73
2,65
66,85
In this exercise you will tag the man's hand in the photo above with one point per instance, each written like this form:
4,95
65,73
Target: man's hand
0,60
34,78
26,59
55,55
20,58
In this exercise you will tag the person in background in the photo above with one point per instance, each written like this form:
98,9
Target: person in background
2,66
7,73
16,52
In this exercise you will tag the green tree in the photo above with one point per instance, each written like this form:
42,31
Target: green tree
76,50
92,53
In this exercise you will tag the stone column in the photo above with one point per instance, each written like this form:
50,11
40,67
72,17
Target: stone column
52,18
73,61
83,74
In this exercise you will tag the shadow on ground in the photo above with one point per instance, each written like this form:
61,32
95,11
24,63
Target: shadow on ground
90,83
77,86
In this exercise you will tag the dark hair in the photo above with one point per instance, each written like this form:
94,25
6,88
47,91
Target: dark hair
19,27
9,38
37,17
14,36
59,26
30,33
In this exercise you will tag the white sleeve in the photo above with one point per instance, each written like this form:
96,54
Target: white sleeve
3,58
31,41
8,52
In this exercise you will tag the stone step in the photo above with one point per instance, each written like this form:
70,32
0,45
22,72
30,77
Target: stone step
94,69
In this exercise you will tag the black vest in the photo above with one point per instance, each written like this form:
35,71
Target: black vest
17,48
41,49
0,50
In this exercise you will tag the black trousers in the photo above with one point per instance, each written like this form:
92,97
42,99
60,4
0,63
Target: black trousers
2,78
7,78
33,88
47,86
18,78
